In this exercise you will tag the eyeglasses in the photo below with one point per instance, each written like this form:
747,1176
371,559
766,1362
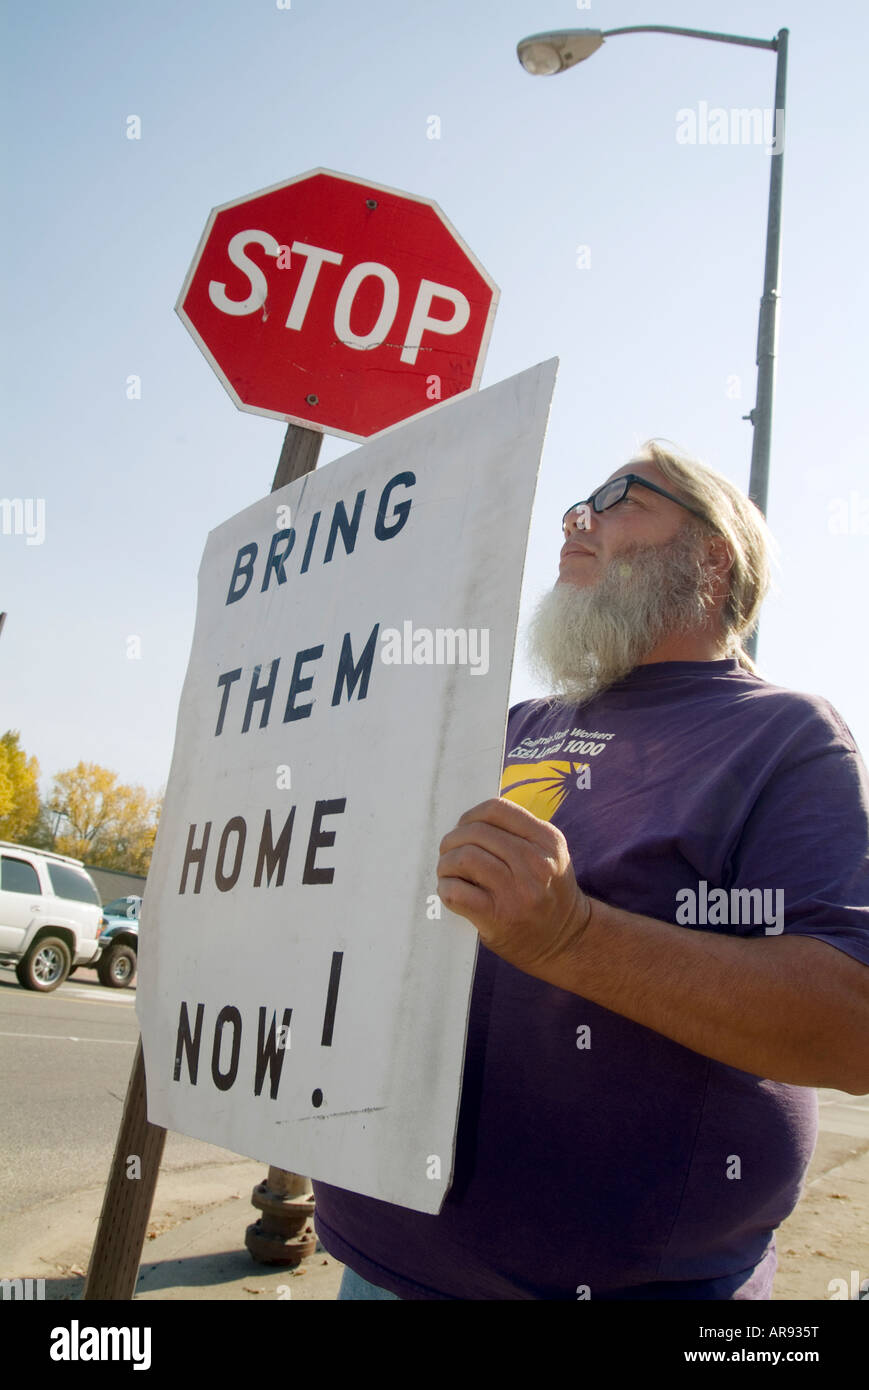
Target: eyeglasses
617,490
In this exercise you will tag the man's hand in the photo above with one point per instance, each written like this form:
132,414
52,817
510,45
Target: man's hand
510,874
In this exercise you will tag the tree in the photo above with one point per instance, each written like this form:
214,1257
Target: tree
19,789
41,833
103,821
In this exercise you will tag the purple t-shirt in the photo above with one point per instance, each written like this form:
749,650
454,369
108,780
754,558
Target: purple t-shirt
595,1158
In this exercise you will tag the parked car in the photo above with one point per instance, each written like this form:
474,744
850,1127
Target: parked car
50,915
119,942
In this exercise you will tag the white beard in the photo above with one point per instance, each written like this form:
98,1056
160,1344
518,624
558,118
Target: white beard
582,640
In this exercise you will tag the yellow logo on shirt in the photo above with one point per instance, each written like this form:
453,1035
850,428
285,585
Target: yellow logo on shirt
542,787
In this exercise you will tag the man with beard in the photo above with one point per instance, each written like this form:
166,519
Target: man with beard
637,1114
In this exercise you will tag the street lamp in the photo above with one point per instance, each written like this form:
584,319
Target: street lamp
543,55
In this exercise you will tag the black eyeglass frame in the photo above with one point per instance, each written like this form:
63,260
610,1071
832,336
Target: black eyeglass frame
629,479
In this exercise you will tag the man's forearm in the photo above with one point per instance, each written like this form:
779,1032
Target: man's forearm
787,1008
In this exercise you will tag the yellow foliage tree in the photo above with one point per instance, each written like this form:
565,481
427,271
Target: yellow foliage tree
19,789
103,821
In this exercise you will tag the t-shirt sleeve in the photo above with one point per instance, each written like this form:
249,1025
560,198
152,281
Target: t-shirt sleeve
807,836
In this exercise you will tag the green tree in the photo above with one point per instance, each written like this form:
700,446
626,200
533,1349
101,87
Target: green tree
19,789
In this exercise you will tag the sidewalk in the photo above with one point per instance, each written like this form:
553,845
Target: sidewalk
195,1246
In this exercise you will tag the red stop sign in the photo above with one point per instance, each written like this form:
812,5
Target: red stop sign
338,304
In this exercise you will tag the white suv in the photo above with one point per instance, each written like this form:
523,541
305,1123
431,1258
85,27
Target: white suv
50,915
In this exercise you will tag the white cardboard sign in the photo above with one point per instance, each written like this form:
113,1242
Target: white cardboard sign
303,994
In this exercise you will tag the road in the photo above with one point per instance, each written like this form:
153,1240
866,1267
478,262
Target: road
66,1062
66,1059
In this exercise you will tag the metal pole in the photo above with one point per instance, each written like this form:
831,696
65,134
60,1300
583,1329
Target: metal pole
692,34
767,332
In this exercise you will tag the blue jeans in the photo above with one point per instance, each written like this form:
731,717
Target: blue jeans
353,1286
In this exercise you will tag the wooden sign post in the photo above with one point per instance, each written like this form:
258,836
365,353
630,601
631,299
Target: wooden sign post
281,341
117,1252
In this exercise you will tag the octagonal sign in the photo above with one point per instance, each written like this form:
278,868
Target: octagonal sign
338,304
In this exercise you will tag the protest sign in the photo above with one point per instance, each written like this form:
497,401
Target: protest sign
303,995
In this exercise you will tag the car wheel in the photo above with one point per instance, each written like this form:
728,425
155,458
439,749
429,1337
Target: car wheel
117,966
46,965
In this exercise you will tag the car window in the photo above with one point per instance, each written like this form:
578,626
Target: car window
122,907
70,883
17,876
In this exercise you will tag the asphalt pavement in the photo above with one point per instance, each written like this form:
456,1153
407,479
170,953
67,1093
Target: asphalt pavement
62,1097
66,1063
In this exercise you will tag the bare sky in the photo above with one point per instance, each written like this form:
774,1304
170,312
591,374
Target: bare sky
633,254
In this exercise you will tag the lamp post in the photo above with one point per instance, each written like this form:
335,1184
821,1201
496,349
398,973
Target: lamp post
547,54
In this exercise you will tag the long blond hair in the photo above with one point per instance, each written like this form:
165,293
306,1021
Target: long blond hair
728,513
